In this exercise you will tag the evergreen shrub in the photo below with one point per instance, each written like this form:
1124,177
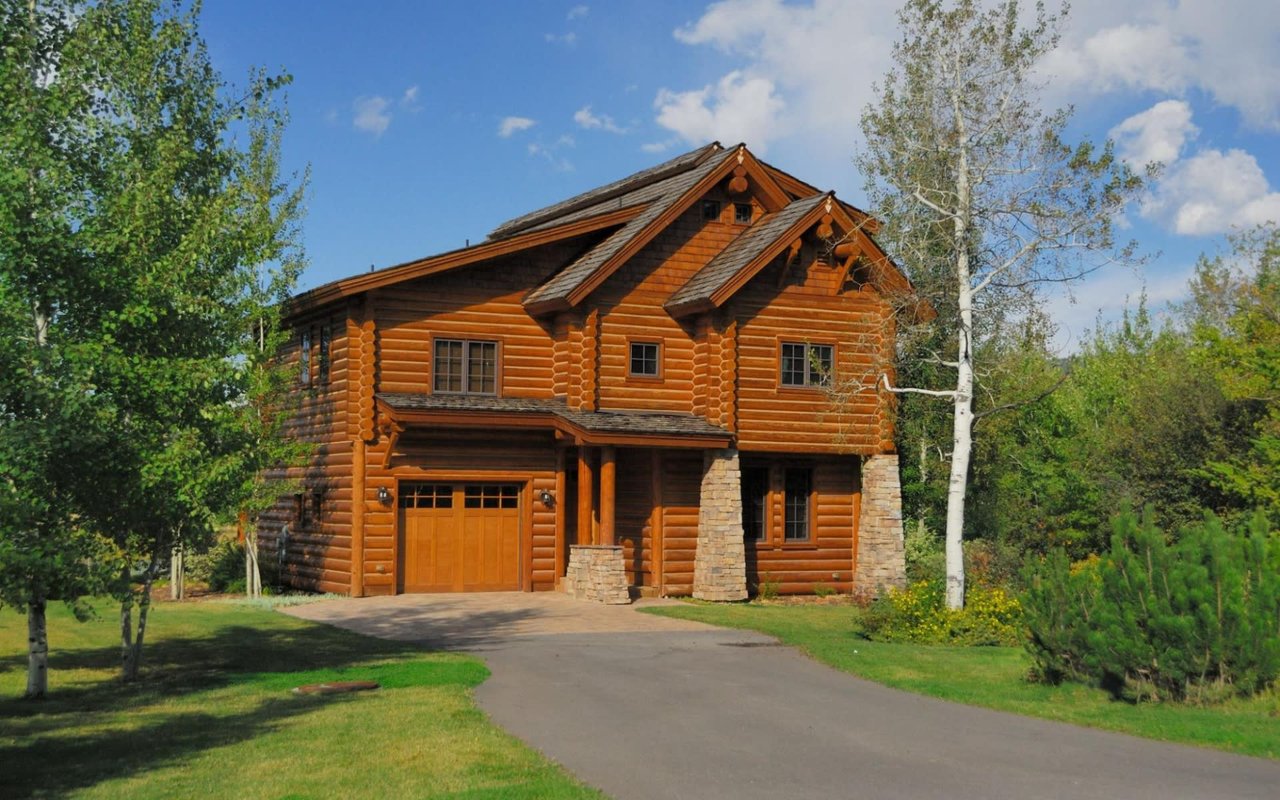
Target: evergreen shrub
1197,620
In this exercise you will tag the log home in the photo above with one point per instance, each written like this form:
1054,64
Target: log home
627,391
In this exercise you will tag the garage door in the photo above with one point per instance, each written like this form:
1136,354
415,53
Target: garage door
459,537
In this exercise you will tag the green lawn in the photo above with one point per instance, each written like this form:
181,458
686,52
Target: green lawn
994,677
213,716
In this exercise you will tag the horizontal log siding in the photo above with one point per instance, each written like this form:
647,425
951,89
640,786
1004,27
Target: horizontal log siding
634,511
526,459
631,305
681,485
318,553
828,558
772,417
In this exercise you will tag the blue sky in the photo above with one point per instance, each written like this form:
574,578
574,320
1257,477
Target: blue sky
426,124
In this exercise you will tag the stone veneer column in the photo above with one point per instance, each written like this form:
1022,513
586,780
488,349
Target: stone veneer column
720,565
881,559
598,573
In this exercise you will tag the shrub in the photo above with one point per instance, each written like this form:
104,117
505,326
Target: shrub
919,614
1197,620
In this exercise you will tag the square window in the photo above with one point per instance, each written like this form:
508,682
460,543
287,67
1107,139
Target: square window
711,209
798,490
806,365
742,213
644,359
465,367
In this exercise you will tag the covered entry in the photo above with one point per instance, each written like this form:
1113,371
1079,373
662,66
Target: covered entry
459,537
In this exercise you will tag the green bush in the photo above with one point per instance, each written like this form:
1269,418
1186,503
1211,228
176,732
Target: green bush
1197,620
919,614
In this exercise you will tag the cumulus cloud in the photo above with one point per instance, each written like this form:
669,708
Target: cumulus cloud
566,39
1157,134
588,120
578,11
371,114
738,108
510,125
1211,192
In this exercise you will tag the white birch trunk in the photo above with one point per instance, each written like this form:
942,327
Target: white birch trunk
37,651
252,573
177,574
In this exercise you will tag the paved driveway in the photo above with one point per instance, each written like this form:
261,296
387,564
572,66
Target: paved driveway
647,708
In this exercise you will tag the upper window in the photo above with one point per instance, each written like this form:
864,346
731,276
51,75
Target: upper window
742,213
798,488
806,365
711,209
465,367
322,365
645,359
304,357
755,502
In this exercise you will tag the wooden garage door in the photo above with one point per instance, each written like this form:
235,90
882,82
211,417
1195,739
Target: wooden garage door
458,537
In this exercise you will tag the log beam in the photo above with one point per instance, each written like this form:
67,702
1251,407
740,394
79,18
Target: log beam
608,493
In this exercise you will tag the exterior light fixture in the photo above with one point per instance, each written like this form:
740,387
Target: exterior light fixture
547,498
384,495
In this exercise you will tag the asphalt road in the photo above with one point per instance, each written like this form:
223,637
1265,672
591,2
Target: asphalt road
703,713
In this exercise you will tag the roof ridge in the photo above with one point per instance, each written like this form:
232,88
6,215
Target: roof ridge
637,180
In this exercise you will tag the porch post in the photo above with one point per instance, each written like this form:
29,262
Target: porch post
357,518
608,492
585,503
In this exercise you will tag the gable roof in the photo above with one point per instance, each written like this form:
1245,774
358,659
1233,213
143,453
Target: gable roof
769,233
582,204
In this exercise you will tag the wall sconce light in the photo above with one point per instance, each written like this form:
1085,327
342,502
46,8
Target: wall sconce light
547,498
384,495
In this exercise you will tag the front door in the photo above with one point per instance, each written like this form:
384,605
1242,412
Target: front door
459,537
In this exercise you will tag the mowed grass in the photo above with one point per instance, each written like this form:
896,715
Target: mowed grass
994,677
214,717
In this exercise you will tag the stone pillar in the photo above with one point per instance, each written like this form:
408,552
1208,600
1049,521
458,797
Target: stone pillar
597,573
881,558
720,565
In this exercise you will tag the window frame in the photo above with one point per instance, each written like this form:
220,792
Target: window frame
765,489
810,384
737,213
657,376
810,506
324,358
465,378
304,356
706,207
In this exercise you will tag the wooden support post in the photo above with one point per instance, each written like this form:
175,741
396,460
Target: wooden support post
357,518
562,543
655,524
608,492
585,504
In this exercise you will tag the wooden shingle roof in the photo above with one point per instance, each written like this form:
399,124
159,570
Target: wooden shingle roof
748,246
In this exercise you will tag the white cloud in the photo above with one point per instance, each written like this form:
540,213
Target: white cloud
1104,296
738,108
578,11
409,100
566,39
371,115
656,147
590,121
510,125
1211,192
1229,50
557,162
1157,134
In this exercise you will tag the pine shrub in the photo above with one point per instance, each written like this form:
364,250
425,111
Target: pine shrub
1196,620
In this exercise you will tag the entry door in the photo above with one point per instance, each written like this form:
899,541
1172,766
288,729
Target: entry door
459,537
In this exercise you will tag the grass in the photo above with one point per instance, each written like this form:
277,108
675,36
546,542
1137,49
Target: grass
213,715
994,677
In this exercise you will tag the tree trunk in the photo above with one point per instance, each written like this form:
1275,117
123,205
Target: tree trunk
177,574
131,645
126,627
252,573
37,651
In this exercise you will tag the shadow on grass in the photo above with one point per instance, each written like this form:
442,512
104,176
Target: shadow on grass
88,733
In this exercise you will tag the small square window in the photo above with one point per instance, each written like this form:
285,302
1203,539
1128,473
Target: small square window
742,213
806,365
644,359
465,367
711,209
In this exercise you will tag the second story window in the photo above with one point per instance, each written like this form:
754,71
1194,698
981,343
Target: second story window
711,209
322,366
806,365
645,359
465,367
742,213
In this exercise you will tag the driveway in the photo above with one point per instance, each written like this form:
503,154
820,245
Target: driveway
645,707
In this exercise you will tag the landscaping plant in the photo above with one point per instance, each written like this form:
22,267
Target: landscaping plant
1195,620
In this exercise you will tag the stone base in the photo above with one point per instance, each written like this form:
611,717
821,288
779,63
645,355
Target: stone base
720,563
881,556
597,573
